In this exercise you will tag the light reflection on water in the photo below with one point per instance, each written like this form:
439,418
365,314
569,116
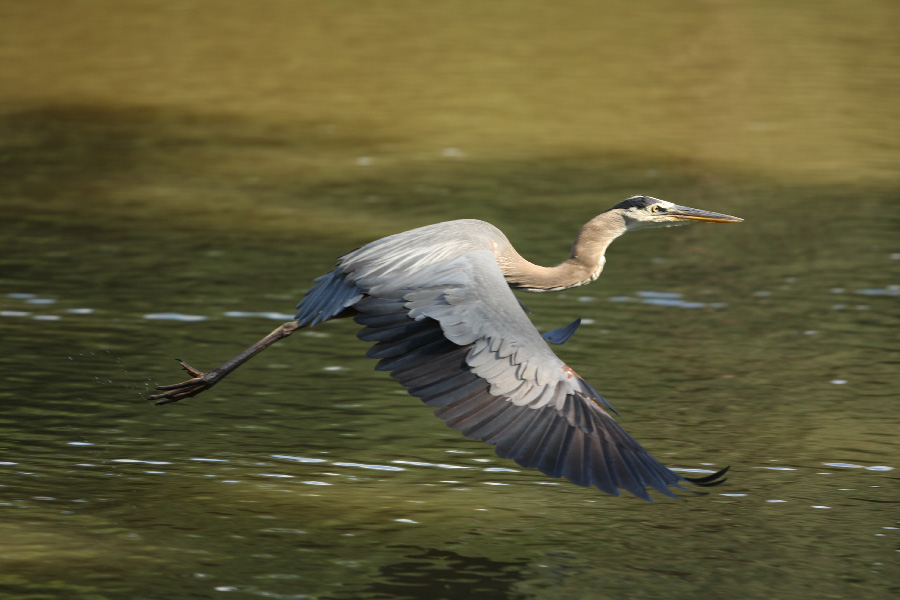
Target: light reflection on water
244,470
657,298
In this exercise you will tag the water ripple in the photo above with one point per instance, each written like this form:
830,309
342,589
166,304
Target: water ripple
171,316
363,466
275,316
299,458
425,464
842,465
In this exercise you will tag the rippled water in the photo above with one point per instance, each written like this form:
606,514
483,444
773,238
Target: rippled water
171,189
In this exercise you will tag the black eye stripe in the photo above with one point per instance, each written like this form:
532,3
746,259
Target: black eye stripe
644,203
635,202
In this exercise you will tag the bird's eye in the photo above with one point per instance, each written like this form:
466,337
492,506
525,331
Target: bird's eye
654,208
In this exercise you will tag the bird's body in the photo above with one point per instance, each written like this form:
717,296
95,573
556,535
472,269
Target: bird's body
438,303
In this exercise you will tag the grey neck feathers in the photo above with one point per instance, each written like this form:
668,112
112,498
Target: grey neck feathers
583,265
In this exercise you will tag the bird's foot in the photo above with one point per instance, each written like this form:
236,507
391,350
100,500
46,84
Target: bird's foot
198,382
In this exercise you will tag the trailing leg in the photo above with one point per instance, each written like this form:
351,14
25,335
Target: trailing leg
200,382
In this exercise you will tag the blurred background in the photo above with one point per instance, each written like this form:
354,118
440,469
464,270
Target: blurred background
174,174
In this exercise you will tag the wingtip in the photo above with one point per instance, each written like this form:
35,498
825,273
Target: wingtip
710,480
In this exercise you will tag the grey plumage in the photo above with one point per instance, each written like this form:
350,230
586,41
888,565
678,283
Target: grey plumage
437,303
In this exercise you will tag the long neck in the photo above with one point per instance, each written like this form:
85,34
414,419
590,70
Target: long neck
583,265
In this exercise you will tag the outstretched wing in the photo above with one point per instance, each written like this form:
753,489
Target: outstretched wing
448,327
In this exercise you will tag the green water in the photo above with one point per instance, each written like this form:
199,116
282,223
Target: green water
173,175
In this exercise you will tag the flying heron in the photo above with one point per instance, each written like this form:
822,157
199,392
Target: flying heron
438,302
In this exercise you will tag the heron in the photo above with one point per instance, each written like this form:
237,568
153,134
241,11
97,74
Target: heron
438,302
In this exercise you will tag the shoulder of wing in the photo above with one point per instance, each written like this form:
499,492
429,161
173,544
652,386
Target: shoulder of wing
420,247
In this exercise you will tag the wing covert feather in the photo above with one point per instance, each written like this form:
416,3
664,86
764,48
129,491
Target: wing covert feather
450,329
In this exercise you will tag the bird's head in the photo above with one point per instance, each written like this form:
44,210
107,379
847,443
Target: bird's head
645,211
